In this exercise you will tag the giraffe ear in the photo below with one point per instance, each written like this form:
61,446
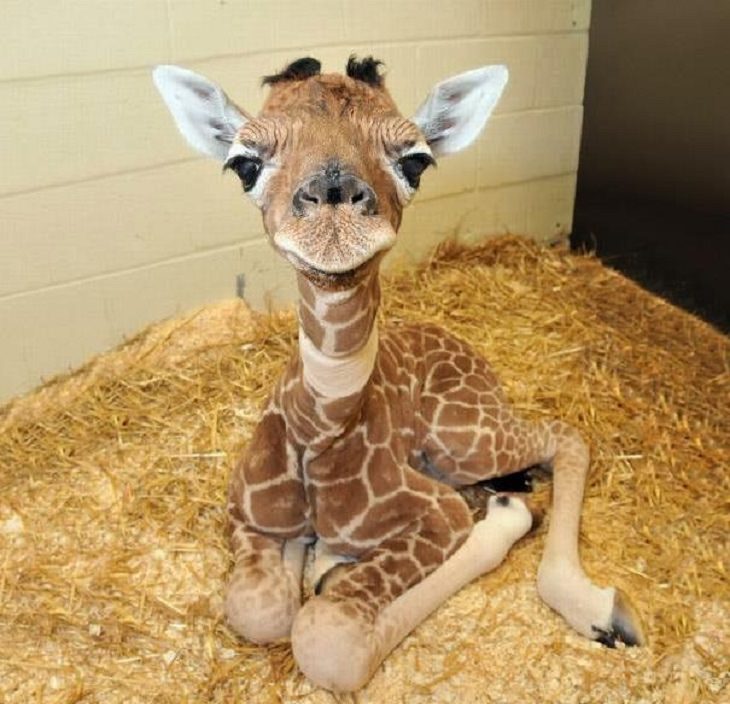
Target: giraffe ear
203,112
456,110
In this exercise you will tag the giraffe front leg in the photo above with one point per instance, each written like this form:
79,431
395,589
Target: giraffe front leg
341,637
264,591
266,516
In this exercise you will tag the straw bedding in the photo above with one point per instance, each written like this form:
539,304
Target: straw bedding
112,483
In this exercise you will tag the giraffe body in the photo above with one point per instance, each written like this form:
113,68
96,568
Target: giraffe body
405,428
369,430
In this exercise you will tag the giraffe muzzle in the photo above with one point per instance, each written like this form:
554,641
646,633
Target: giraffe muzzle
334,228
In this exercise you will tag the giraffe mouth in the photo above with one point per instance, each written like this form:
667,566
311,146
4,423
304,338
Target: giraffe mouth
330,279
335,248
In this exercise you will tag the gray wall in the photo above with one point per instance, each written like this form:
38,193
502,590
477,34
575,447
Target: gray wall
657,102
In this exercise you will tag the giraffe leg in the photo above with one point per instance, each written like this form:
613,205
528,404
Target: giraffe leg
264,591
472,435
340,637
602,614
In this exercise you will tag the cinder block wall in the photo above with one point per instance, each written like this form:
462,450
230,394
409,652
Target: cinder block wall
108,221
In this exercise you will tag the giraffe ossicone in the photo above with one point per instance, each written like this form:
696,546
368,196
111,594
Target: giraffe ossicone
368,431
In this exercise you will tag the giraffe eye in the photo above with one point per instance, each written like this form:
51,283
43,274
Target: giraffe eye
413,165
248,169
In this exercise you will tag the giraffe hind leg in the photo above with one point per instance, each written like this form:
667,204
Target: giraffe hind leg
503,444
602,614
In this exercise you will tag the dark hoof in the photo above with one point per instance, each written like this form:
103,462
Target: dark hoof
505,499
625,625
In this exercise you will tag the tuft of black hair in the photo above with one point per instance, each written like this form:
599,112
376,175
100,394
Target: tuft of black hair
367,70
296,71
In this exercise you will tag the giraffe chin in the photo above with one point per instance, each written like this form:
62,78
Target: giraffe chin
334,280
339,281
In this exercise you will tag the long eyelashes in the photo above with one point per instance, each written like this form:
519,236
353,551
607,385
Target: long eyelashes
248,169
413,165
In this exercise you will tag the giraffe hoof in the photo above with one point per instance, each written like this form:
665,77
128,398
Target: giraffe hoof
510,511
625,626
508,500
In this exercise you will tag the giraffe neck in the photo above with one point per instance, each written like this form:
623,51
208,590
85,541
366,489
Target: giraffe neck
338,337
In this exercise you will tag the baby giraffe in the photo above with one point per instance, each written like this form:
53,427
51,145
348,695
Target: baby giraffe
369,431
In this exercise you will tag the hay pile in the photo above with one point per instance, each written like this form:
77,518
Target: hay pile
112,482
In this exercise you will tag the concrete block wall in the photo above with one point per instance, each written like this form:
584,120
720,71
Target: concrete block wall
109,222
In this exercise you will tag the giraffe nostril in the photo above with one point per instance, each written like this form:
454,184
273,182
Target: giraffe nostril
365,199
309,197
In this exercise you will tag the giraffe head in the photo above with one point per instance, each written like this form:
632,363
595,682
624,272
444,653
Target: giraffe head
330,161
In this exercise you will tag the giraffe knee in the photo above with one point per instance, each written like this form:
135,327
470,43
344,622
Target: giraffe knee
261,610
333,648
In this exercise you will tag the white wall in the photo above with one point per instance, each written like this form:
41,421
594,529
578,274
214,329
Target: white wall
108,221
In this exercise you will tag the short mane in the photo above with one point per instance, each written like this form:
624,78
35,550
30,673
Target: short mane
366,70
296,71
